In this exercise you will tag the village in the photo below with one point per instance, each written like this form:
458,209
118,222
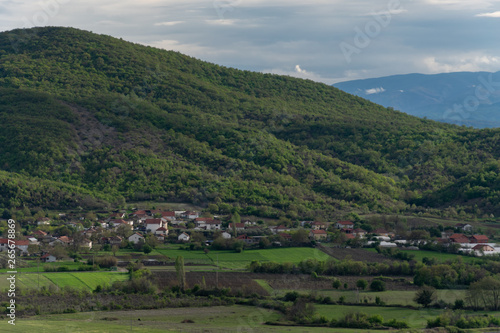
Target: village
54,239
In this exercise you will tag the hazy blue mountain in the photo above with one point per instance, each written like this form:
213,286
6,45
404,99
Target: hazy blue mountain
463,98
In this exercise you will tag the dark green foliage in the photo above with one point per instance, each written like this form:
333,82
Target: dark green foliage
425,296
377,285
95,120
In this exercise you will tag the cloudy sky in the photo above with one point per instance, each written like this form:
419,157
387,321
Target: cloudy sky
327,41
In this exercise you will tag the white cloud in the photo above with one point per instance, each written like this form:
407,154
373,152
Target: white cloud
374,91
169,23
493,14
300,70
221,22
461,63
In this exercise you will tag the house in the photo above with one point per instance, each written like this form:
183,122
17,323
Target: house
63,240
39,234
239,226
464,226
479,239
48,258
359,232
248,223
136,238
247,239
153,224
226,235
190,215
213,225
318,226
117,215
169,216
161,232
285,236
20,245
86,243
33,241
459,238
43,221
318,235
278,229
115,240
184,237
344,225
483,248
207,223
119,222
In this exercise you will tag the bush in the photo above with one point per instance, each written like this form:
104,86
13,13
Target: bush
107,261
361,284
377,285
291,296
336,283
396,324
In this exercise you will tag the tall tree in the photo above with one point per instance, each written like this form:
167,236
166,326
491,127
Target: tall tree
181,273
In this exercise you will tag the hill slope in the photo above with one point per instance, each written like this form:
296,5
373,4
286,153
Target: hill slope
118,121
465,98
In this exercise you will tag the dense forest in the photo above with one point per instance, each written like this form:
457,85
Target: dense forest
90,120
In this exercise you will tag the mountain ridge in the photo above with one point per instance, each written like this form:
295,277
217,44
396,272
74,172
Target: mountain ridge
463,98
125,122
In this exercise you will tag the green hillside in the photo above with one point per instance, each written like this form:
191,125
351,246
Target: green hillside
113,121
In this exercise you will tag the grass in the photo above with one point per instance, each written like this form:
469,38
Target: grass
220,319
231,260
441,257
390,297
414,318
79,280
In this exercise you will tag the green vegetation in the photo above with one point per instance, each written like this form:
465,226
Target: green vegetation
110,121
84,280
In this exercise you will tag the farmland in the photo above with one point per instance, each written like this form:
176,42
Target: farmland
223,319
79,280
230,260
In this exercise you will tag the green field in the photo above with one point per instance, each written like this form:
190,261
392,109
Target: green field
238,261
441,257
221,319
80,280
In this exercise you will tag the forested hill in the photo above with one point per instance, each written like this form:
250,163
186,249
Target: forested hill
87,119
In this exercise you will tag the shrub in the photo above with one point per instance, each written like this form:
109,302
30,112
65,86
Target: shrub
291,296
107,261
361,284
377,285
336,283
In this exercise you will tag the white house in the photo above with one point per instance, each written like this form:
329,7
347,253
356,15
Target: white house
184,237
43,221
48,258
153,224
162,231
136,238
226,235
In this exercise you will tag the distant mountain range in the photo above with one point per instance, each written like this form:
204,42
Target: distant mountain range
463,98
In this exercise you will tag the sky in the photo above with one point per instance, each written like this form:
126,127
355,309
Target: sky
325,41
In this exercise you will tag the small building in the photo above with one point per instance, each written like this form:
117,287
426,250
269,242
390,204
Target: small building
48,258
239,226
136,238
318,235
344,225
483,248
279,229
318,226
161,232
359,232
464,226
459,238
43,221
247,239
479,239
184,237
153,224
226,235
